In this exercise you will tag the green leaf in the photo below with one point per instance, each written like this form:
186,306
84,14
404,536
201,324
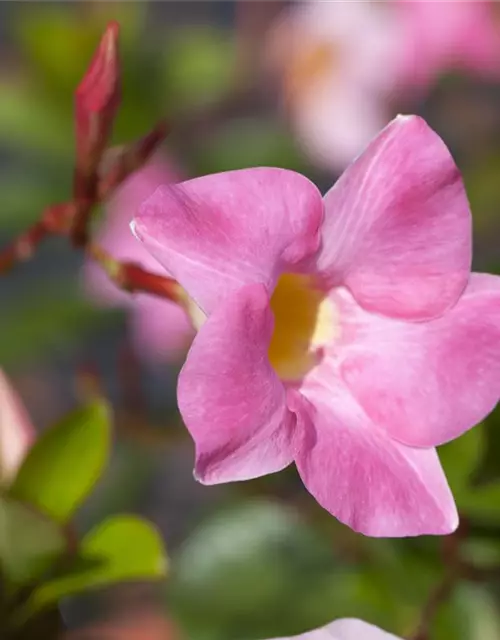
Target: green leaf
256,566
65,462
122,548
461,458
29,542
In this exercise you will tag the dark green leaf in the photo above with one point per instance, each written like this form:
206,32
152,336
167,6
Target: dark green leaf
122,548
65,462
257,566
29,542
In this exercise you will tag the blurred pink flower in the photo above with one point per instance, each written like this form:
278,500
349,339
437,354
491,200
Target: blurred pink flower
16,430
342,64
446,36
345,333
346,629
337,62
160,328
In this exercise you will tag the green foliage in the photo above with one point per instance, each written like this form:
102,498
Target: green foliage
199,67
122,548
249,142
49,318
28,120
256,567
65,463
29,542
460,459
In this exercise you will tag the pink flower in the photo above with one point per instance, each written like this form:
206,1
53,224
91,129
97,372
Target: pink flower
160,328
346,629
446,36
336,61
16,431
345,333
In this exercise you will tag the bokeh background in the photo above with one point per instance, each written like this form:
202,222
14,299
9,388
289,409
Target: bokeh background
297,85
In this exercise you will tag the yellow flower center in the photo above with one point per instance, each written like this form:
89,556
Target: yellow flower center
304,321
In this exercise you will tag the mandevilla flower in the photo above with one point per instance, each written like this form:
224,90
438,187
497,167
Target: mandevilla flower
344,333
346,629
16,431
160,328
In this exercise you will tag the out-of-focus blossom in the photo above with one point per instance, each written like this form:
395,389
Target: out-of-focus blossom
160,328
346,629
343,64
438,37
16,430
345,334
337,61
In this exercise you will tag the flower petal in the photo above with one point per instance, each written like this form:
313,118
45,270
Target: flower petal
426,383
368,481
220,232
346,629
16,430
231,400
397,228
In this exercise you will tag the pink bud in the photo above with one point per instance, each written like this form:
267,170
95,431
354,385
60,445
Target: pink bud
97,99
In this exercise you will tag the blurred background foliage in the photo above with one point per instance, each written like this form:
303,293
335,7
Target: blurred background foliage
259,560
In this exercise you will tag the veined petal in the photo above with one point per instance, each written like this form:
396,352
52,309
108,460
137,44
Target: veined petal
425,383
218,233
232,401
371,483
346,629
397,228
16,430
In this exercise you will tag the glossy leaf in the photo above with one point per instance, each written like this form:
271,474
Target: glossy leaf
65,463
29,542
256,566
122,548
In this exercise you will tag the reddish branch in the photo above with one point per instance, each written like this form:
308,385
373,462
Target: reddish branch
96,103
